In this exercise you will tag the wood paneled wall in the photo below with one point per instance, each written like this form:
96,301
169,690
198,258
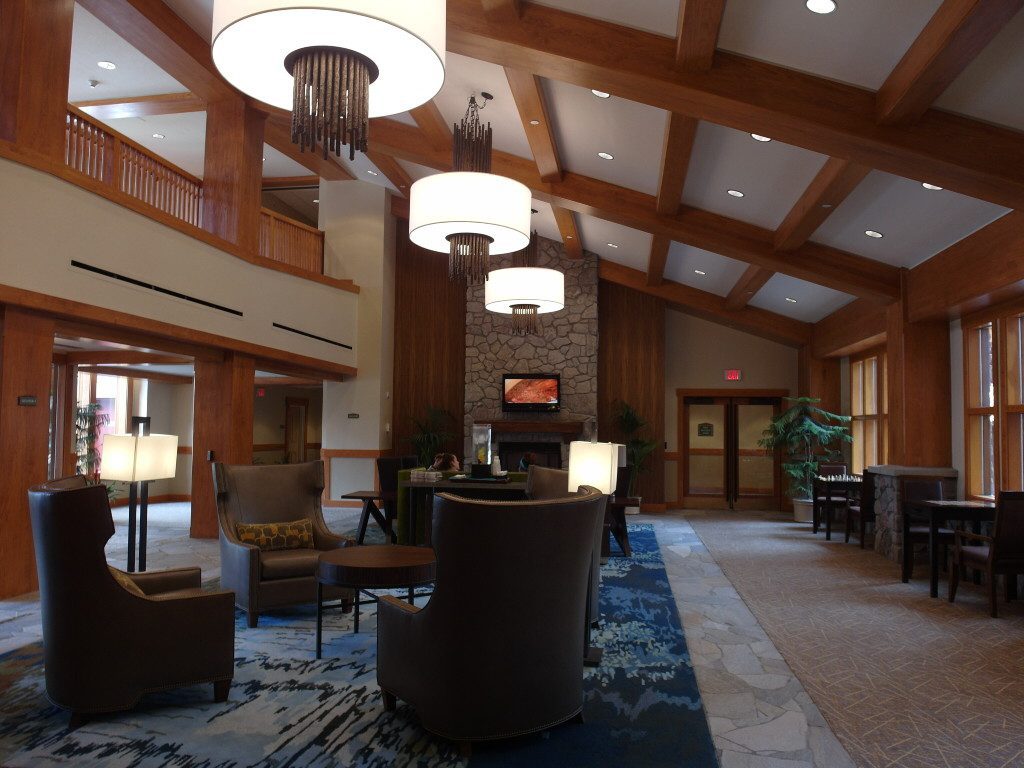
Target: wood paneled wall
631,368
430,341
820,377
26,350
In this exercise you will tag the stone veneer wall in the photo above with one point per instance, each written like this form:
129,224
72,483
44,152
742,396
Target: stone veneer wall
889,515
566,344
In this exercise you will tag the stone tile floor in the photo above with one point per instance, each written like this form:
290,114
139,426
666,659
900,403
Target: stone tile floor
759,713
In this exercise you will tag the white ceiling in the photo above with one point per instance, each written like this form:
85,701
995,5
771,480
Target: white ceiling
299,200
771,175
860,43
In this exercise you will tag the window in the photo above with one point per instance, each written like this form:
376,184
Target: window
113,396
869,407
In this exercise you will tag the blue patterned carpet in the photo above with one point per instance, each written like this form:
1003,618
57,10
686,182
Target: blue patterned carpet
287,709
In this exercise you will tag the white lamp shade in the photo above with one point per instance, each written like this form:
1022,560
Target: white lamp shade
595,464
482,203
544,288
405,39
118,458
130,458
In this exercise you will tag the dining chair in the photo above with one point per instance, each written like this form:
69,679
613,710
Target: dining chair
387,476
840,498
1001,553
861,510
919,489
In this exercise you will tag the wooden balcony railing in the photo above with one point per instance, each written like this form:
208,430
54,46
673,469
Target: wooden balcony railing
291,242
115,160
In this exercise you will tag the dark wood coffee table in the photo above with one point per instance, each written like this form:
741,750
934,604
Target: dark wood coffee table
382,566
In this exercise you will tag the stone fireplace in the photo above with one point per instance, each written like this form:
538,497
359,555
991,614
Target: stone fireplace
566,344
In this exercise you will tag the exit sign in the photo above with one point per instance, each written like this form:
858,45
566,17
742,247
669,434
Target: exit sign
733,374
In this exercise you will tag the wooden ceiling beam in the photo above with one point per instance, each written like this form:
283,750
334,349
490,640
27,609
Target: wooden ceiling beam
502,11
657,259
834,182
394,172
858,326
278,134
436,129
533,112
968,156
751,281
728,237
142,106
290,182
957,32
566,221
710,306
136,373
680,131
123,357
697,33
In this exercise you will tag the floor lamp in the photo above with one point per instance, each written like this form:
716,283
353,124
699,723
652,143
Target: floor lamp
597,465
137,459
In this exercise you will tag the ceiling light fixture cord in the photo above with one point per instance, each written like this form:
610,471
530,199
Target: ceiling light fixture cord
330,99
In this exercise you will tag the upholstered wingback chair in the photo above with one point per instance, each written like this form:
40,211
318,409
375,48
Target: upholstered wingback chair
272,493
497,651
110,636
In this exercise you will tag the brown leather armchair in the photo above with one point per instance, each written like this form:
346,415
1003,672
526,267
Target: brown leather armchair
497,650
274,493
109,636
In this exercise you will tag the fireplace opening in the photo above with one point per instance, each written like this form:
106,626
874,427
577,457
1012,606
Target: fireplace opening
545,454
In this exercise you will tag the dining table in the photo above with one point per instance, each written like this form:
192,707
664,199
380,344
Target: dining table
829,488
938,511
421,498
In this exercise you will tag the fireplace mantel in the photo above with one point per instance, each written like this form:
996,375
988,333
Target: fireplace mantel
567,429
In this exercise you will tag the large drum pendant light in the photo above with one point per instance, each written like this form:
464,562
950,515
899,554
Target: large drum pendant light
469,213
525,291
335,63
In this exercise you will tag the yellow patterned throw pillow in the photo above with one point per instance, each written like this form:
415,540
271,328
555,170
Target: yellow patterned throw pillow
298,534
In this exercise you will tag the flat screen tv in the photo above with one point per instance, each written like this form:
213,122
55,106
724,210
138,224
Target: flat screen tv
531,392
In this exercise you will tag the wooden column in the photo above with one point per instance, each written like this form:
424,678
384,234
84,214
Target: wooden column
918,380
820,377
26,353
35,60
233,171
222,423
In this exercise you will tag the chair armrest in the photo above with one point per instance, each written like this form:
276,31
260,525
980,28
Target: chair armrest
399,648
394,602
155,582
977,538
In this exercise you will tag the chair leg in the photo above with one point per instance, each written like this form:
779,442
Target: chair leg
954,580
254,618
465,749
220,690
390,701
580,719
849,522
993,601
1011,586
863,528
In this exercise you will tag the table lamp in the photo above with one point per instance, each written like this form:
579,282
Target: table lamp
136,460
596,465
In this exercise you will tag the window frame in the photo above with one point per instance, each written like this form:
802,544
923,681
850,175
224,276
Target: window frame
880,418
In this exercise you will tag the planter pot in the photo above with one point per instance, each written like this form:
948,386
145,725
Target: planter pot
803,510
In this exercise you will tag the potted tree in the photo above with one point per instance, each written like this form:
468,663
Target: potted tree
431,435
629,423
808,436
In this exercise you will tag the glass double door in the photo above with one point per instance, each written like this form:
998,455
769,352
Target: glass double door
723,466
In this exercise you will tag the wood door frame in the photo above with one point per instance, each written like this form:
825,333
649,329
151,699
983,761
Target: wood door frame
683,440
288,403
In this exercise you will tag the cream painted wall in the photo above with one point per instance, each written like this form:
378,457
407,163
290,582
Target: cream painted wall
169,406
269,417
696,354
359,243
46,222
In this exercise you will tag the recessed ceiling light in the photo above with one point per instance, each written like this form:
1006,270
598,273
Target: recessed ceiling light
535,122
316,200
821,6
606,155
264,159
106,65
735,193
372,173
826,205
873,233
612,245
699,272
568,237
159,136
791,301
932,187
759,137
599,94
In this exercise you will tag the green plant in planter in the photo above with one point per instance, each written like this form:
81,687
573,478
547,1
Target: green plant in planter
628,424
431,435
88,420
807,436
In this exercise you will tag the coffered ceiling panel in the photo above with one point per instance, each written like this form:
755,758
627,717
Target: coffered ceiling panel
813,302
658,16
631,133
465,77
277,164
602,237
91,42
183,142
916,223
991,87
685,263
859,43
770,175
197,13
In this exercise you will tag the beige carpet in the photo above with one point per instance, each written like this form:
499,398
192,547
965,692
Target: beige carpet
903,679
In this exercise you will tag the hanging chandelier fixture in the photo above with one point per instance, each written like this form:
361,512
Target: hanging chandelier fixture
334,65
470,213
525,290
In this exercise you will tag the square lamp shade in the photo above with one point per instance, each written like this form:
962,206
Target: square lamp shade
595,464
131,458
